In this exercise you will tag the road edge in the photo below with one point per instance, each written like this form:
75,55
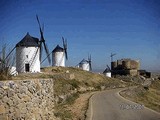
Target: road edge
89,112
118,93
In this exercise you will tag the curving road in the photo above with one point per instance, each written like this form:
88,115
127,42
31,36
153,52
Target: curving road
109,105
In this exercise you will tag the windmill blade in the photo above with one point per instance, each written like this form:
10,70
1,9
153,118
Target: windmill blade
4,52
77,65
89,57
13,60
42,40
43,27
113,54
47,52
39,24
41,32
63,41
90,65
46,57
41,50
89,60
80,62
34,56
65,47
9,53
108,67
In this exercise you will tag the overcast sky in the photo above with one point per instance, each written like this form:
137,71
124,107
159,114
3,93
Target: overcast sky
129,28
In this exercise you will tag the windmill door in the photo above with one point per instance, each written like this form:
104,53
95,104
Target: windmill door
27,67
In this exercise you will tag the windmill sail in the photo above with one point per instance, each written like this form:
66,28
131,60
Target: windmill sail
42,40
89,61
112,56
9,53
65,47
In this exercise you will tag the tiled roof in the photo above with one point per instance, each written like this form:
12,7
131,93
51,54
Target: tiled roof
58,49
28,41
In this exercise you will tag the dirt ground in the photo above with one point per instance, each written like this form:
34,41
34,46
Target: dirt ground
80,106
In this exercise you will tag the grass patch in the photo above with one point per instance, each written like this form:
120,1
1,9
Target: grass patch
5,76
70,100
150,98
62,110
62,113
63,86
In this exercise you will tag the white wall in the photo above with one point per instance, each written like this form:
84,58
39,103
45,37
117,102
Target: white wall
25,55
108,74
84,66
58,59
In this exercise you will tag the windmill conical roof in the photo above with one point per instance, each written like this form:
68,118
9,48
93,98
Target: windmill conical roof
58,49
28,41
106,70
83,61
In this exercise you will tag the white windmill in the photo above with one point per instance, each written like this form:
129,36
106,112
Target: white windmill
59,54
29,53
107,71
85,64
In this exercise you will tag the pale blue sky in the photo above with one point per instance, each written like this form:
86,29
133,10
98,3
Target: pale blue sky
130,28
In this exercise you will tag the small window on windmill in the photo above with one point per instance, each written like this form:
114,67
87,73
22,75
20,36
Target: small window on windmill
26,56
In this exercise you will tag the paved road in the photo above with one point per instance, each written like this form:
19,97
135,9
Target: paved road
109,105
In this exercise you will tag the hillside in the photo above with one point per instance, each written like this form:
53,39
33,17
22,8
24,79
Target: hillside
76,77
69,85
146,95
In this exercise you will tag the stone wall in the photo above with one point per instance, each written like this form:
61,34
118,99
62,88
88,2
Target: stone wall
27,100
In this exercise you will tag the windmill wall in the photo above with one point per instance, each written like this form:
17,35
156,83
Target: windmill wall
108,74
84,66
27,55
58,59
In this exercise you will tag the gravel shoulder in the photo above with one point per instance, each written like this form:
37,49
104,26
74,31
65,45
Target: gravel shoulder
79,108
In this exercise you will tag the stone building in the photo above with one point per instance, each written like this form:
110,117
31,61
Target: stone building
125,67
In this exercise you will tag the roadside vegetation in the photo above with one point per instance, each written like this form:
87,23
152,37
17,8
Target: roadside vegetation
146,95
5,63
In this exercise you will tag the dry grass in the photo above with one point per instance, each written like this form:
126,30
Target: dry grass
71,79
4,75
150,98
62,111
74,76
80,106
71,82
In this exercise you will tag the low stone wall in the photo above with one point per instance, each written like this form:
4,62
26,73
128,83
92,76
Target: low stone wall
27,100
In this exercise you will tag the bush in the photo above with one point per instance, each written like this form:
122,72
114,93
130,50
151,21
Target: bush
4,75
70,100
74,83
